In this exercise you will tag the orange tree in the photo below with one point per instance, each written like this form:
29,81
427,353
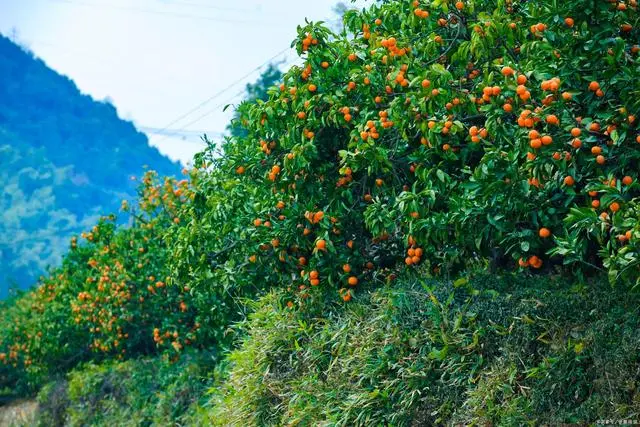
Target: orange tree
109,299
429,136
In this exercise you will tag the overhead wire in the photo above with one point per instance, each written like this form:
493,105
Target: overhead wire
218,94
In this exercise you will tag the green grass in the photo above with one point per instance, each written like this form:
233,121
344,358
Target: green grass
485,350
138,392
503,350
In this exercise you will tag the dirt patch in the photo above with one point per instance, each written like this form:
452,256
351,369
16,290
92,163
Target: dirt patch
18,413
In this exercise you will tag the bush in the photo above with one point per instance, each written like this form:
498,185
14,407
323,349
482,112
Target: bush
138,392
489,350
430,137
109,299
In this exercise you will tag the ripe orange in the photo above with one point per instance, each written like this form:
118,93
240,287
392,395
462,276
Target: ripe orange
544,232
552,119
600,160
569,22
313,88
615,207
535,262
302,115
569,181
346,268
507,71
594,86
575,132
352,281
627,180
240,170
313,274
321,245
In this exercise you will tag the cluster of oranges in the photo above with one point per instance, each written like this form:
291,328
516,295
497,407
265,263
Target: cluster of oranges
392,46
478,134
538,29
265,147
533,261
346,112
347,176
275,170
371,131
308,41
314,217
414,255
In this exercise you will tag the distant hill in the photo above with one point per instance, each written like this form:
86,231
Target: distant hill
65,158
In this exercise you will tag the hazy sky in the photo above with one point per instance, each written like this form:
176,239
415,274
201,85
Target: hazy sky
159,59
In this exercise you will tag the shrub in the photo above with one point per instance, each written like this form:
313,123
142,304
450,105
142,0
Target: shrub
109,299
489,350
431,138
150,391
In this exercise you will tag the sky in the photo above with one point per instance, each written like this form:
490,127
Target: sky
170,66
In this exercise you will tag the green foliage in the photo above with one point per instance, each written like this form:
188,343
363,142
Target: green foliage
66,159
109,299
254,92
425,140
138,392
488,350
466,133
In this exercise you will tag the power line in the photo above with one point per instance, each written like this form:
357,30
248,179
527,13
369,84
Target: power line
181,132
163,13
220,93
213,110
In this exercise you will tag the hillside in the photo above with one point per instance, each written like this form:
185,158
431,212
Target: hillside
65,157
434,219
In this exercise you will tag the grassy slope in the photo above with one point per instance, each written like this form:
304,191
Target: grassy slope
507,351
503,350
